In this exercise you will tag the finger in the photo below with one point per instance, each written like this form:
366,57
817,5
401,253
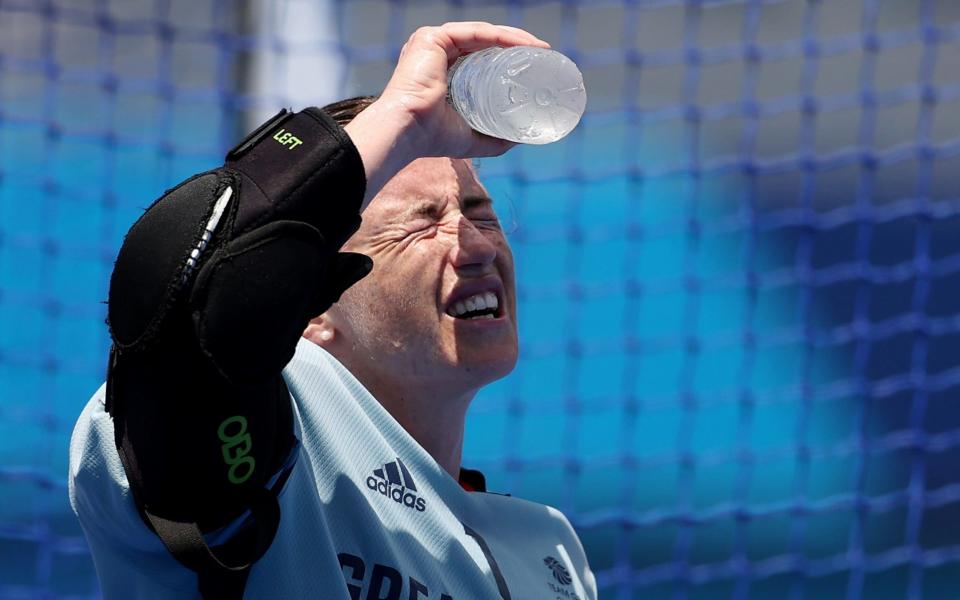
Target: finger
539,41
470,33
460,38
527,37
484,145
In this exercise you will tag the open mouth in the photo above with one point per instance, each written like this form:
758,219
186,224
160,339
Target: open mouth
484,305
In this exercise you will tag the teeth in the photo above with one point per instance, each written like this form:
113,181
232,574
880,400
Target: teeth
483,301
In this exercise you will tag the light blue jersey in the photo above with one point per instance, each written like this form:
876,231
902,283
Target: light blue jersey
366,513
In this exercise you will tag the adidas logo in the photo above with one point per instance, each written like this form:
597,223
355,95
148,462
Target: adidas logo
394,481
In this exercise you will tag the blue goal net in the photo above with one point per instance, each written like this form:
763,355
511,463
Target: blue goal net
739,277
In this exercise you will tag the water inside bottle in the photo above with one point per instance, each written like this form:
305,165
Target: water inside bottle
542,104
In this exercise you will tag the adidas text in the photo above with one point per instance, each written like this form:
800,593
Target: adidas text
398,494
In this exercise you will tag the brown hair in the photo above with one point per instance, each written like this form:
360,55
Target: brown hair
344,111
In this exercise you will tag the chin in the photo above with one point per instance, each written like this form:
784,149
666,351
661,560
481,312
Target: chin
489,365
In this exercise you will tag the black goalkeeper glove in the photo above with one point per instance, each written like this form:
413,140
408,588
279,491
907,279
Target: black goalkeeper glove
272,263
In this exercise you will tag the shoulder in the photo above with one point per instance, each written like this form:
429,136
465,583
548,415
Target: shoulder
546,517
517,514
94,462
576,556
564,530
539,530
314,373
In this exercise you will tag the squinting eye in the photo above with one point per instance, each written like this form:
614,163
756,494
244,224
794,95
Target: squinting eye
418,224
483,216
486,222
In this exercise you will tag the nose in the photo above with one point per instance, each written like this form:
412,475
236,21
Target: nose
472,250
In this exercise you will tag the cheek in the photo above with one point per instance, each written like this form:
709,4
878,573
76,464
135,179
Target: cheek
404,288
505,259
382,316
503,248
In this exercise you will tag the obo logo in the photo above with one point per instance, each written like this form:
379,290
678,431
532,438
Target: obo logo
236,449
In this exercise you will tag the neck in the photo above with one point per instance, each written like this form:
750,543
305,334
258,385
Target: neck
436,421
432,414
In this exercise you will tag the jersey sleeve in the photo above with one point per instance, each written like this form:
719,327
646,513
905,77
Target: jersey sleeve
209,294
130,560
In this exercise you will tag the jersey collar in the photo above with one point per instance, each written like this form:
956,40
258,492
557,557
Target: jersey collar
472,480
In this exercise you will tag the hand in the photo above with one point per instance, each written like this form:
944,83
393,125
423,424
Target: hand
418,86
411,118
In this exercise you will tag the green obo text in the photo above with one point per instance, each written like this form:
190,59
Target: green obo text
236,448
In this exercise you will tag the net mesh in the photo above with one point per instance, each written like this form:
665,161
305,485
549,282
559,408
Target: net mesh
737,277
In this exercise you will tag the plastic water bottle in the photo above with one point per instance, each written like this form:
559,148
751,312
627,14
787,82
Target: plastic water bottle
522,93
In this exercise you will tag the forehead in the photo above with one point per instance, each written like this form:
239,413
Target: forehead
427,182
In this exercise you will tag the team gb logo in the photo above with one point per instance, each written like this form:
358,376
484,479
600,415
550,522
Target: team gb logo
560,572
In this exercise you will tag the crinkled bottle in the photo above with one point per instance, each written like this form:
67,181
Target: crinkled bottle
522,93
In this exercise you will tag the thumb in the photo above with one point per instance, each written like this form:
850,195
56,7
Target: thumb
483,145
